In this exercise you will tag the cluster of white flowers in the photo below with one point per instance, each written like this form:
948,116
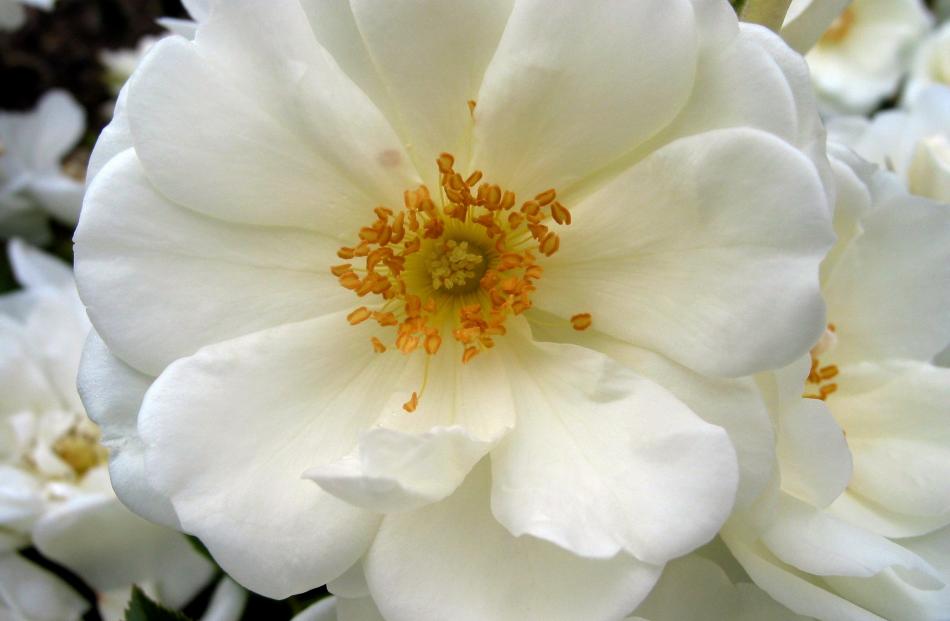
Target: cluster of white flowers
495,310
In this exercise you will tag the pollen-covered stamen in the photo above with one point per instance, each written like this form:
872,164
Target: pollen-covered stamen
80,449
821,376
453,265
459,269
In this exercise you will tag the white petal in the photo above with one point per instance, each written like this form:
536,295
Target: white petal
192,280
431,55
814,457
24,385
889,291
706,252
112,394
60,195
548,80
736,405
35,594
415,459
895,417
42,137
113,140
74,535
753,80
227,603
34,268
696,589
21,500
602,460
792,588
361,609
809,19
395,471
860,511
198,10
452,560
351,584
256,114
323,610
820,544
231,429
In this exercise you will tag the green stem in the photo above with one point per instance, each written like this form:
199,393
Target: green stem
768,13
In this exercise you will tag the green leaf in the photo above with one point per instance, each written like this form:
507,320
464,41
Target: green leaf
141,608
737,5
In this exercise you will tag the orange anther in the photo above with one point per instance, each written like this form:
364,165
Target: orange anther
473,178
531,208
515,219
350,281
385,319
828,372
445,162
581,321
432,343
378,345
339,270
827,389
412,404
545,198
345,253
560,213
549,244
468,354
507,200
369,234
360,315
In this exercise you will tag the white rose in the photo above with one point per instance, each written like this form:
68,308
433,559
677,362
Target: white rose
860,59
54,488
912,142
865,457
931,64
33,184
299,433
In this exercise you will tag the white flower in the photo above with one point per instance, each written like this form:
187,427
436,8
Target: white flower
931,64
12,14
807,20
33,184
55,490
860,60
865,457
29,593
914,143
242,166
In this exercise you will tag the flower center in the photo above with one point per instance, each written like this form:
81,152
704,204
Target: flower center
821,376
459,269
456,266
79,448
839,28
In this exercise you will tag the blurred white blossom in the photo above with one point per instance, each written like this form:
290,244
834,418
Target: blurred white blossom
931,65
54,489
854,523
33,183
913,142
864,54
